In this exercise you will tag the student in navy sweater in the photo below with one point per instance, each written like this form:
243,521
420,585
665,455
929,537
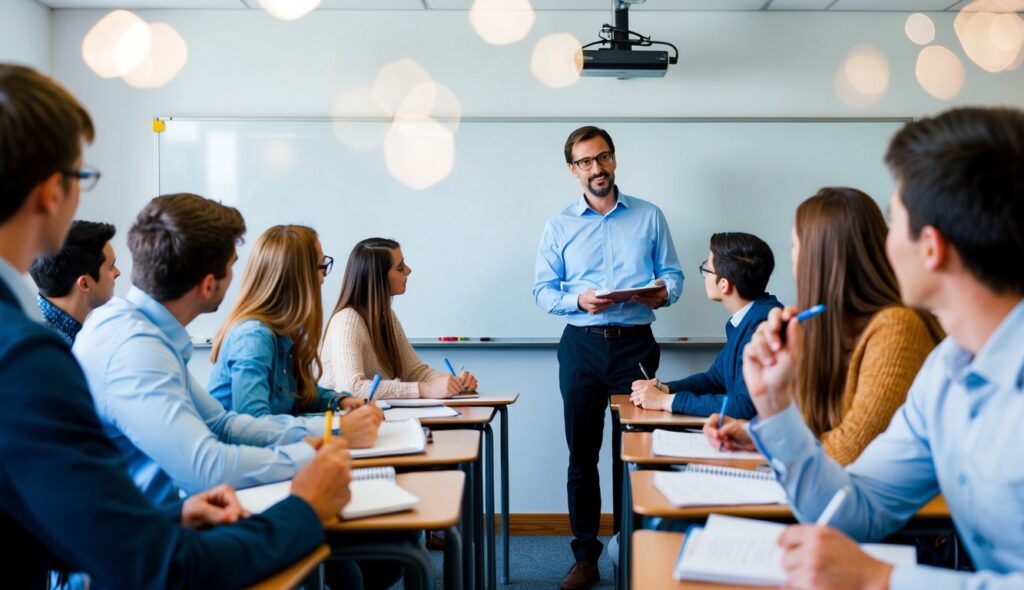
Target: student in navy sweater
736,274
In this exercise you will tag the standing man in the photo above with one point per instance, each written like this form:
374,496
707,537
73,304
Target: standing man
78,279
605,240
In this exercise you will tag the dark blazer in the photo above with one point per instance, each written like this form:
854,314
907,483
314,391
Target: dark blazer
701,394
66,501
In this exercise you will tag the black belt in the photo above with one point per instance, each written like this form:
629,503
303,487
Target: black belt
615,332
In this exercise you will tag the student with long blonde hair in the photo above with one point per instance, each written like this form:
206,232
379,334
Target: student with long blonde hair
863,352
365,338
265,355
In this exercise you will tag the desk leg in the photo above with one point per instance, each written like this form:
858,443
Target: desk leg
492,558
626,530
467,529
503,412
315,579
452,559
419,570
478,525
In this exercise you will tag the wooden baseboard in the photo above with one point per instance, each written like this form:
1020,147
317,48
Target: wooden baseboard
541,523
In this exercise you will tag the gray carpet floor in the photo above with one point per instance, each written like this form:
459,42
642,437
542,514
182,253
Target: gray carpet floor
538,563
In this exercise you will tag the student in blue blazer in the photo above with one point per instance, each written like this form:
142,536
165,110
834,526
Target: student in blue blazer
735,274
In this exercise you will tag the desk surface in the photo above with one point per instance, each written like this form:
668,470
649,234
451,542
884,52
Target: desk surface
654,557
636,448
648,501
471,416
631,415
440,494
294,574
617,400
485,399
450,447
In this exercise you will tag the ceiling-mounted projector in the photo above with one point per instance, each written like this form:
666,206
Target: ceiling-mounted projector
620,60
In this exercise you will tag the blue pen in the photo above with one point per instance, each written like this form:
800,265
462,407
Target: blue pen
373,387
452,369
801,317
721,417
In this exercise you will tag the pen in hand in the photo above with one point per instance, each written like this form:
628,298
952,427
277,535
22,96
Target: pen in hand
721,418
833,506
801,317
373,388
328,426
451,369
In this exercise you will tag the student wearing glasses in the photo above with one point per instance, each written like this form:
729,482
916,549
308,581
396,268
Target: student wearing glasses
266,355
604,240
736,275
867,345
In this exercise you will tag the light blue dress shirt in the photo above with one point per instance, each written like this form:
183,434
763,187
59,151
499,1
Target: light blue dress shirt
959,433
581,249
173,433
255,373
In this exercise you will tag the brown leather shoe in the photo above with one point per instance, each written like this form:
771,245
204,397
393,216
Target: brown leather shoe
581,575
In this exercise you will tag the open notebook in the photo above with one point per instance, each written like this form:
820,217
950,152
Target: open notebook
420,413
374,492
400,437
710,485
730,550
428,402
693,445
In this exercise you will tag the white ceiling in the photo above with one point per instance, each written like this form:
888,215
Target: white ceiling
601,5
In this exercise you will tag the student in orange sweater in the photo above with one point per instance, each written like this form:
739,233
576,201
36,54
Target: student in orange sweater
867,345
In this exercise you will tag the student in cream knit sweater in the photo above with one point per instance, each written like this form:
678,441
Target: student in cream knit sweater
364,337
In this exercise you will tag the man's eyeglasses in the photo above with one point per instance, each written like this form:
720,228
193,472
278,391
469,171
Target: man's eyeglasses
327,265
603,158
87,177
704,270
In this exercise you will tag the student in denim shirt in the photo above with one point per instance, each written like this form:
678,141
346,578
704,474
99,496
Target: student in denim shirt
265,356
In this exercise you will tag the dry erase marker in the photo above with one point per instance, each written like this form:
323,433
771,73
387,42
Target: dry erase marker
329,416
801,317
721,419
448,338
833,506
373,387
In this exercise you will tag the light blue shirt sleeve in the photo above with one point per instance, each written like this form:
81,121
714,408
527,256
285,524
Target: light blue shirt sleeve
249,358
550,272
187,432
666,261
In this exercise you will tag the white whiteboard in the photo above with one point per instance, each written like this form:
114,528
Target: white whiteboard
471,239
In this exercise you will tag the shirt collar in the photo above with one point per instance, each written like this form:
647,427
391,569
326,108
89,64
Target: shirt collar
582,206
999,361
16,282
162,319
739,315
61,320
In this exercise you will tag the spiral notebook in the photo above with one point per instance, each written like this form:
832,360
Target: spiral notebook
730,550
710,485
374,492
398,437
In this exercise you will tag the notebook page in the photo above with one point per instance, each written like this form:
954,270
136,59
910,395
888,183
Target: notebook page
685,488
401,437
377,496
395,414
734,550
693,445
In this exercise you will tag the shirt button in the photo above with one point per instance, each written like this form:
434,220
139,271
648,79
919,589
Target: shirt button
980,541
962,479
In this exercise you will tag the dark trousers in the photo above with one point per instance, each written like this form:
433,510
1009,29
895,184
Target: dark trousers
593,364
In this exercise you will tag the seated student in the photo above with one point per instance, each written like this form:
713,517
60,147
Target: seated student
135,354
868,347
66,502
364,337
956,241
266,356
736,274
78,279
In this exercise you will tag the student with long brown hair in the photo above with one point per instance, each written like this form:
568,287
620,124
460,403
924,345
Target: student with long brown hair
364,337
863,352
265,355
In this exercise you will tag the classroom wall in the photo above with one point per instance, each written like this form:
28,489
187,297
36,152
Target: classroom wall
732,64
25,33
